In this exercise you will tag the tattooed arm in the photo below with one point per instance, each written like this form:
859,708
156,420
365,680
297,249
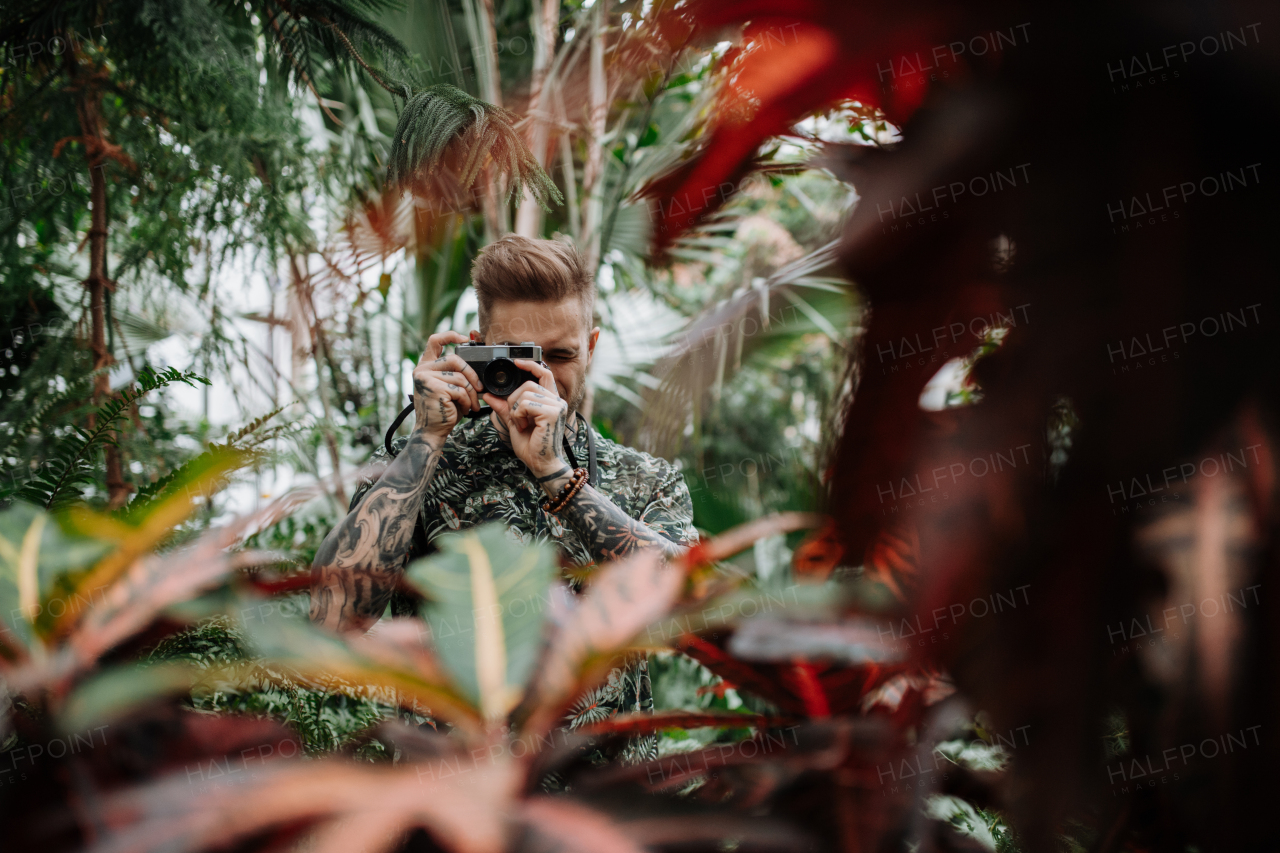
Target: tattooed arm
608,531
666,520
534,417
360,562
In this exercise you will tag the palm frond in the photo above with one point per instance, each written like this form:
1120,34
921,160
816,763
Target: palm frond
342,32
713,345
446,138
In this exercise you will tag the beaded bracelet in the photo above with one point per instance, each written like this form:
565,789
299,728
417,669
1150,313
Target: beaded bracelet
567,491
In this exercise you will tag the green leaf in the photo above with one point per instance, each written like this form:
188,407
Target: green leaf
111,695
74,455
964,818
34,552
219,458
488,597
393,656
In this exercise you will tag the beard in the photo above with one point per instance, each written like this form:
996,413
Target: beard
578,394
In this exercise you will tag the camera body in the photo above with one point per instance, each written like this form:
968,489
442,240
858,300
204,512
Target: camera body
494,365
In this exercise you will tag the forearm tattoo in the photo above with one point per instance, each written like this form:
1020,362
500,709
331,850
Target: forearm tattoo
608,531
359,563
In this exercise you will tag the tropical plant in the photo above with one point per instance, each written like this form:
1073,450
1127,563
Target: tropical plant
444,119
110,83
808,702
87,589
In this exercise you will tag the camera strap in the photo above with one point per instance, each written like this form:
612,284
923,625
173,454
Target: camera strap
482,412
395,425
592,473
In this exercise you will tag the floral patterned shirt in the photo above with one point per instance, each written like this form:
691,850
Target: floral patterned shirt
479,479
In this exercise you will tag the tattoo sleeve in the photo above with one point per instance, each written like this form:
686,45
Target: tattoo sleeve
359,563
609,532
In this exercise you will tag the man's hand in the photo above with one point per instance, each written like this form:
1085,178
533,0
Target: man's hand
444,387
535,417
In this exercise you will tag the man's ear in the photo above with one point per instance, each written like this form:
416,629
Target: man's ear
591,343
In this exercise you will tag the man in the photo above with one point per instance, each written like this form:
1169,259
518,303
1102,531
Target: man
450,474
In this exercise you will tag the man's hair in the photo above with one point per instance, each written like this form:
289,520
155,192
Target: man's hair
518,269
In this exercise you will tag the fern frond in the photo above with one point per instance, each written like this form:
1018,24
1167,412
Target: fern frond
446,134
76,390
251,427
69,466
219,456
242,443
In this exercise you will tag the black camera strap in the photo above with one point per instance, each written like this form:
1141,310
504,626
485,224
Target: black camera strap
592,473
395,425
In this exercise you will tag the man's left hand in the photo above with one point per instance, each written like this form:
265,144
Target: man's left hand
535,415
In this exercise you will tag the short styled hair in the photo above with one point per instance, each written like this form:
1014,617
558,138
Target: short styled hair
520,269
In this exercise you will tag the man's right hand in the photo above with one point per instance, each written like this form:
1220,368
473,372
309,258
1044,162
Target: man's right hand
444,387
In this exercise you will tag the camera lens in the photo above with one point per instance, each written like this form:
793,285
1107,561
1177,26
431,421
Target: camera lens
501,377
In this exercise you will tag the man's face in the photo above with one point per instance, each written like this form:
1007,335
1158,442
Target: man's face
562,329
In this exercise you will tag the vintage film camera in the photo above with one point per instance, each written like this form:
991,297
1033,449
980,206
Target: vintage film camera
494,365
497,372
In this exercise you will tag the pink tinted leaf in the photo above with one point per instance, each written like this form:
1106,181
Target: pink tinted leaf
643,723
623,599
576,828
745,535
466,813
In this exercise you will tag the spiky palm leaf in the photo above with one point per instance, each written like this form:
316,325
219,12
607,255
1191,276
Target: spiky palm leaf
445,139
305,32
714,344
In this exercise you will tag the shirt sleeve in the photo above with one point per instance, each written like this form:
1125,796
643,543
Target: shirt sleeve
670,508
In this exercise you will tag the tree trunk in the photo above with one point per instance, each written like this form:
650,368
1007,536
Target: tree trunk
478,15
434,239
545,17
593,168
320,354
570,177
94,138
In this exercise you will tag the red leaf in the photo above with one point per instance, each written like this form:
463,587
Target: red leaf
819,554
801,57
745,535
